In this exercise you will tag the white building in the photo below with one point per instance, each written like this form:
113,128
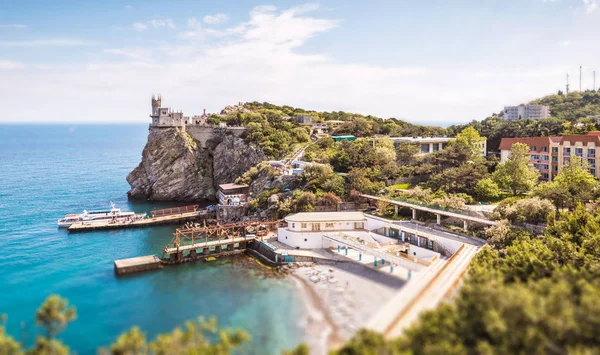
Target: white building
309,230
526,111
305,230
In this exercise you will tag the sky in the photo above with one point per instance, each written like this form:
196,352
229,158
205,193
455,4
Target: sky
427,62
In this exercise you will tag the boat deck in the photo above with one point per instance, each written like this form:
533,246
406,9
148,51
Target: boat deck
146,222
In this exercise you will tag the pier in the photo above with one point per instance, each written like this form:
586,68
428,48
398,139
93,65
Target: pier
175,215
141,263
197,243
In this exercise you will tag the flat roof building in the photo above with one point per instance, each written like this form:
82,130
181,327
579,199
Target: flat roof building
233,194
429,145
526,111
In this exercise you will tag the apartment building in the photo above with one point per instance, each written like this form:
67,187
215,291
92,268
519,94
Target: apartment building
549,154
526,111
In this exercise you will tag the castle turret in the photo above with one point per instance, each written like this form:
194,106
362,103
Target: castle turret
156,102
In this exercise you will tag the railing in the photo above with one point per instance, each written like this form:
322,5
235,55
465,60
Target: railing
435,207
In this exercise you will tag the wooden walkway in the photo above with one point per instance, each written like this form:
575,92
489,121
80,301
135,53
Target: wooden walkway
146,222
208,244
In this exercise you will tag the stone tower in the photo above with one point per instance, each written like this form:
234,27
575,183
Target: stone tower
156,102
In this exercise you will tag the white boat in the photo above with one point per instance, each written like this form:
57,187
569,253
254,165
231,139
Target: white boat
114,214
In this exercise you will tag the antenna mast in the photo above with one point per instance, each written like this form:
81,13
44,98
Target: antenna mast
594,88
580,78
567,84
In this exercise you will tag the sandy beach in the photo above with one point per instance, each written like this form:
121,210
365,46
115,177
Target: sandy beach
343,299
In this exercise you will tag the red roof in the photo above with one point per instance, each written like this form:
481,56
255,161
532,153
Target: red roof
581,138
538,142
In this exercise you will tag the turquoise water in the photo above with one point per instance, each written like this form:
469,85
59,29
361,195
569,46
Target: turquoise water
48,171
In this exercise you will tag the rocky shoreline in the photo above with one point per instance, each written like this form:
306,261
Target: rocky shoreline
176,166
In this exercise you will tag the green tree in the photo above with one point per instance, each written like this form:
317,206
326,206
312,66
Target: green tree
132,342
405,153
487,189
472,139
362,180
576,180
301,349
517,173
8,345
196,337
54,315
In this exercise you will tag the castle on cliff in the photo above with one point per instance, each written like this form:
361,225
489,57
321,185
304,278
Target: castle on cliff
163,117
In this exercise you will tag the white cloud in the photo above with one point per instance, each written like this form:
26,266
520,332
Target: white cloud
193,23
133,53
565,43
159,23
47,42
215,19
14,25
10,65
590,6
128,7
138,26
155,23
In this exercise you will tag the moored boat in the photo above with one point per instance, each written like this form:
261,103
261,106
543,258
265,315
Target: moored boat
114,214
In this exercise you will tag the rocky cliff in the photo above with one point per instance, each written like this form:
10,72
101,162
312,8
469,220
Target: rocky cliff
177,167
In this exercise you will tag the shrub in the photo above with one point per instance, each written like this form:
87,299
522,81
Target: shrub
529,210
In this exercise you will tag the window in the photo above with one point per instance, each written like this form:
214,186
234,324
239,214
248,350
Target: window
293,225
591,152
328,225
566,161
555,159
424,148
593,172
579,151
567,151
316,226
533,148
303,225
554,149
592,162
544,149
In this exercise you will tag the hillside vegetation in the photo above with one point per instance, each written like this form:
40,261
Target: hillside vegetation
274,128
570,115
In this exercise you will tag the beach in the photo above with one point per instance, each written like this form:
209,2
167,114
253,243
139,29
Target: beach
342,301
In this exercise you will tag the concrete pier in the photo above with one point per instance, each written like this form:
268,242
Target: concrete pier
140,263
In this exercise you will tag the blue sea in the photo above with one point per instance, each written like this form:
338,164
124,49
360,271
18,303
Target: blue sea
47,171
